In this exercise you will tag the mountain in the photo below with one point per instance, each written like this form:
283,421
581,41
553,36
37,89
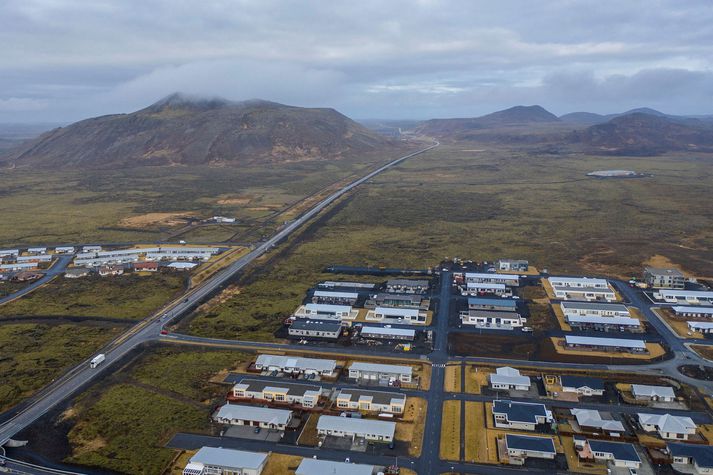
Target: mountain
646,134
187,130
584,118
515,116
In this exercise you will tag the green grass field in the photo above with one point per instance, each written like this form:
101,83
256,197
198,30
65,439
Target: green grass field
32,354
129,296
123,424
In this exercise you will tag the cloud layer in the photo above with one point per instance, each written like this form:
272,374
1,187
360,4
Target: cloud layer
63,60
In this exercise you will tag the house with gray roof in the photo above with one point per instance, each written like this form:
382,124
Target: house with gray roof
668,426
244,415
216,460
591,420
644,392
305,328
509,378
310,466
279,392
378,372
582,385
371,401
369,429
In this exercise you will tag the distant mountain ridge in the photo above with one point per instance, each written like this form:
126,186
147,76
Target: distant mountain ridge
188,130
514,116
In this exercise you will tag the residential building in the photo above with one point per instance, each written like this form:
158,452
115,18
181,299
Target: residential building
64,250
371,401
643,392
703,327
244,415
578,282
412,316
509,378
603,324
110,270
406,286
517,265
295,365
590,420
76,272
695,312
620,454
692,456
333,284
511,280
219,461
323,311
664,278
303,328
685,297
595,309
146,266
605,344
385,333
582,385
334,297
9,252
306,395
34,258
668,426
37,250
495,304
385,299
584,293
310,466
223,219
490,319
474,288
369,429
18,266
521,447
181,265
520,415
380,372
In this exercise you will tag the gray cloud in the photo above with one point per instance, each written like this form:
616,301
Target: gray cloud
65,60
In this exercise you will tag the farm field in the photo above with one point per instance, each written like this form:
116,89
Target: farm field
128,296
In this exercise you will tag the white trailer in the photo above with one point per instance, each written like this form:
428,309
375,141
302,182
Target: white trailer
97,360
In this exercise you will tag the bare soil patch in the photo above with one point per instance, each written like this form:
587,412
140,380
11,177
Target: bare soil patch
157,219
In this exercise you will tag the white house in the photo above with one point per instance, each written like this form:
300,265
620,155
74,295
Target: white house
369,429
383,333
397,315
643,392
581,282
582,385
685,297
243,415
703,327
605,344
474,288
310,466
371,401
517,265
690,311
667,425
490,278
521,447
219,461
620,454
605,324
520,415
494,320
595,309
383,373
590,420
509,378
692,456
282,393
324,311
295,365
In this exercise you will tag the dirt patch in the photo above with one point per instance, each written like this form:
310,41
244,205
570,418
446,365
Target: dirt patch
157,219
240,200
492,346
595,263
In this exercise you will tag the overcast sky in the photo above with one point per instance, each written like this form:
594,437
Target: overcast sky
63,60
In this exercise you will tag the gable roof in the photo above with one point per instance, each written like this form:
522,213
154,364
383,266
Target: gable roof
592,418
668,422
229,458
620,450
526,412
701,454
572,381
509,376
651,391
310,466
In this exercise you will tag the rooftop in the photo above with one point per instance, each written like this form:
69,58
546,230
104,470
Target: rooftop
614,307
596,319
611,342
701,454
572,381
668,422
528,442
494,302
377,397
310,466
520,411
650,391
358,426
254,413
620,450
388,331
229,458
381,368
316,325
296,362
258,385
659,271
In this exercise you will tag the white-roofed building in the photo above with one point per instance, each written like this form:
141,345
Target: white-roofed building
324,311
310,466
475,288
595,309
490,319
219,461
605,344
306,395
369,429
412,316
605,324
9,252
509,378
581,282
703,327
668,426
182,265
334,297
37,250
695,312
643,392
371,401
590,420
243,415
383,373
490,278
64,249
685,297
295,365
384,333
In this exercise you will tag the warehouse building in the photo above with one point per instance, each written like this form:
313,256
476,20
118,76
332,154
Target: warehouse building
595,309
605,344
369,429
335,284
264,417
664,278
323,311
303,328
494,320
603,324
411,316
383,373
306,395
219,461
295,365
371,401
590,294
384,333
578,282
495,304
522,447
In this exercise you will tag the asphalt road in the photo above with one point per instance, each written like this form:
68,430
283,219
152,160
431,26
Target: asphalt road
56,269
63,388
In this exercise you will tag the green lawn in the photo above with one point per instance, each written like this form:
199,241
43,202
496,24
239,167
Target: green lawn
32,354
123,423
129,296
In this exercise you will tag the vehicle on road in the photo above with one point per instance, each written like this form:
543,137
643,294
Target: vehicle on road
97,360
164,332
